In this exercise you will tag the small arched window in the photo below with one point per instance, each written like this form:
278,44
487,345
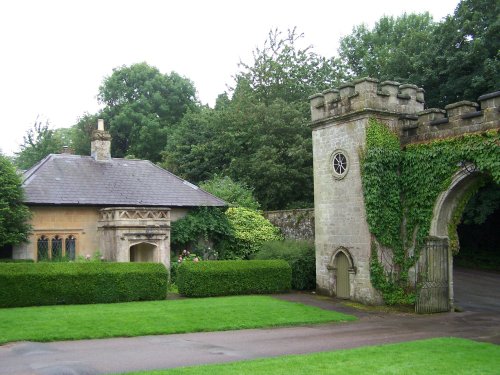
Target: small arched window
70,247
42,248
56,248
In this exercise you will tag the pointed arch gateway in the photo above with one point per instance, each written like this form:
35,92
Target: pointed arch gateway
434,269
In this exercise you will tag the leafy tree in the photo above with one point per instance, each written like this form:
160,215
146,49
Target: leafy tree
197,149
234,193
39,142
467,62
82,132
456,59
260,136
482,204
203,223
282,69
396,49
14,215
141,106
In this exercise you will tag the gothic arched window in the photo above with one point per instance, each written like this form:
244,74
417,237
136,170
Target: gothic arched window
56,248
42,247
70,247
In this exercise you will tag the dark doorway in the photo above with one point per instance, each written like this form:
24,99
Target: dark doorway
6,252
479,231
477,265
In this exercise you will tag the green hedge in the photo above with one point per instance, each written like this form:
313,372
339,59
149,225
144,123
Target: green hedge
228,277
301,257
24,284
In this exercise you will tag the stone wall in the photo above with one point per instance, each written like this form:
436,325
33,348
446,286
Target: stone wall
81,222
51,221
294,224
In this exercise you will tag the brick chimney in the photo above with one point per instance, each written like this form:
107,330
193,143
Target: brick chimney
100,147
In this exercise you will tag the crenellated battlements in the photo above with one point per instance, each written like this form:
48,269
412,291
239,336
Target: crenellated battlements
406,103
456,119
367,94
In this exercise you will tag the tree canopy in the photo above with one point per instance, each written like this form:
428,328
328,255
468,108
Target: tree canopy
260,135
257,134
455,59
142,105
40,141
14,215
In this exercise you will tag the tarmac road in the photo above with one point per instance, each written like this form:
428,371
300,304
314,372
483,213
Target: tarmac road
156,352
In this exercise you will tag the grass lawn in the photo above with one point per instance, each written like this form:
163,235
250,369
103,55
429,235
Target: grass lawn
434,356
51,323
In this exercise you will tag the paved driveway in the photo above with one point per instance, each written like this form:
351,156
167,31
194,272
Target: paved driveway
154,352
477,290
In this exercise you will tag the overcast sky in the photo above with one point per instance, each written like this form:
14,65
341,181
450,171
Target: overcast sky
55,54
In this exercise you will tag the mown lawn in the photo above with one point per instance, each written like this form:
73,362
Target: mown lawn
434,356
51,323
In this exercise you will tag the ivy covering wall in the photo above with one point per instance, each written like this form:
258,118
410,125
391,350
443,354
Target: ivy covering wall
400,189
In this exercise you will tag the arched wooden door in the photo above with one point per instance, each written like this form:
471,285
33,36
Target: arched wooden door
342,289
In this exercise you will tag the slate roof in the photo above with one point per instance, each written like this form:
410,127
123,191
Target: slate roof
66,179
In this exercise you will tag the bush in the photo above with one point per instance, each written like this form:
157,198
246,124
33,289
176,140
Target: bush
251,229
301,257
77,283
228,277
16,260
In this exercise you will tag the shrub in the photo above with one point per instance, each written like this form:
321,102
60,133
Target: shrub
222,278
251,229
78,283
301,257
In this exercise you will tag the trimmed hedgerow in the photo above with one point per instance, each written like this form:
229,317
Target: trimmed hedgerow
301,257
229,277
80,283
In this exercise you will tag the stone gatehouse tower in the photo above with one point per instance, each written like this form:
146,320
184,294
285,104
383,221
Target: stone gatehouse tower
339,120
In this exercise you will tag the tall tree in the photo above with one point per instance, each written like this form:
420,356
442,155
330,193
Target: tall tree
456,59
14,215
38,142
284,69
260,136
396,49
141,107
467,59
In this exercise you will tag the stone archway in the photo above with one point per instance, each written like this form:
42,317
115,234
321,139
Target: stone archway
144,252
448,201
435,267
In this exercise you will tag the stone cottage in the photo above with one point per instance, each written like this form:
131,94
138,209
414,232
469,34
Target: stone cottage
119,207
